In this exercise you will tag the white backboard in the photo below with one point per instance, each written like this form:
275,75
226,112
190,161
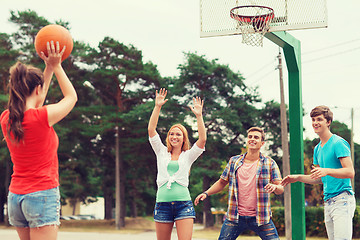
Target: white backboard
215,17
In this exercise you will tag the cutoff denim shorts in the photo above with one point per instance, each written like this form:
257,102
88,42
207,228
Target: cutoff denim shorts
168,212
35,209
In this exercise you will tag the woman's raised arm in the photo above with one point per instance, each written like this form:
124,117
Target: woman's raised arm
154,118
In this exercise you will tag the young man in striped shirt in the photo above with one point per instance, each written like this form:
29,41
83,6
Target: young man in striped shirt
252,177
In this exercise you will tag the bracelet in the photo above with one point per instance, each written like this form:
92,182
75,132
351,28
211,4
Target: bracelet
206,194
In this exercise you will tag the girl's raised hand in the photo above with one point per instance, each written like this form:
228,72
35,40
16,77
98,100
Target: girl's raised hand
54,54
160,97
197,106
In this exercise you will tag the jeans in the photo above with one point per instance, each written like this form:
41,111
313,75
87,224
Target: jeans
168,212
35,209
231,230
338,216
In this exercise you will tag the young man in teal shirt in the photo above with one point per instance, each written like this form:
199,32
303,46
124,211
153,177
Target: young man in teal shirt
334,169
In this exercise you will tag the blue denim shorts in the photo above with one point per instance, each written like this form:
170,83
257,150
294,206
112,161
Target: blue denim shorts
35,209
168,212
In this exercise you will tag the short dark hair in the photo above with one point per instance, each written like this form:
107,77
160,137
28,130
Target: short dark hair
257,129
324,110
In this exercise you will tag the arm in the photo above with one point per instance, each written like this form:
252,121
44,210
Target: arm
347,170
58,111
215,188
300,178
275,187
154,118
197,110
48,74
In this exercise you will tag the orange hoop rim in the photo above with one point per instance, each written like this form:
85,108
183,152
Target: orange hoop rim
250,18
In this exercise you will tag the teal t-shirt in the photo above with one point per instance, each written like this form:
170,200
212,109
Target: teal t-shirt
177,191
328,157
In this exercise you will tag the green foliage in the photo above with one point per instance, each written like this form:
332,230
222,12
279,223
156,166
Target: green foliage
314,218
116,89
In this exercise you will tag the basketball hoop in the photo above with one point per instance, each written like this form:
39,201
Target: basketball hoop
253,22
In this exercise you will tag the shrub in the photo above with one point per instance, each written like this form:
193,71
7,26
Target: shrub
314,218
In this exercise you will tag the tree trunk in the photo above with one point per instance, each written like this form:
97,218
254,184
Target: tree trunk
208,217
133,202
7,184
108,198
122,194
2,203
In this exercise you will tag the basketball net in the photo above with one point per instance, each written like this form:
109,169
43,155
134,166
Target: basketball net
253,22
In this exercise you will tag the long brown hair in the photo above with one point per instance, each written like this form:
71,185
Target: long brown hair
23,80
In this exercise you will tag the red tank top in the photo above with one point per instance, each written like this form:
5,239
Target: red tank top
35,160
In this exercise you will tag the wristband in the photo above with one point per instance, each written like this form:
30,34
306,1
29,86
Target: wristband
206,194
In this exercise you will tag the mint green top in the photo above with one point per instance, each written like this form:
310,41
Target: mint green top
177,191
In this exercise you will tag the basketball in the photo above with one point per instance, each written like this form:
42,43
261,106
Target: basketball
54,33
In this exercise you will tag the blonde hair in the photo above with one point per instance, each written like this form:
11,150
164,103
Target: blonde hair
186,142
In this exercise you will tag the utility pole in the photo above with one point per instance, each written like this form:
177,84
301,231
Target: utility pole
285,149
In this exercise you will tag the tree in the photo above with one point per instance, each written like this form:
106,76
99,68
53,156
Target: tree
228,113
122,82
70,163
7,59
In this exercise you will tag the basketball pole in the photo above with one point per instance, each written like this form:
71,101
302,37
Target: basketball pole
292,52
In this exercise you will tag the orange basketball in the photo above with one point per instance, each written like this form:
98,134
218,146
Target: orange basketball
54,33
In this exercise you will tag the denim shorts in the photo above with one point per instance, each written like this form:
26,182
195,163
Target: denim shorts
168,212
35,209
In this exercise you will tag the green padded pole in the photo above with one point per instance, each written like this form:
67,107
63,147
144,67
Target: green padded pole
292,52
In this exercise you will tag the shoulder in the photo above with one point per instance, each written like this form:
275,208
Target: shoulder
266,158
40,112
37,114
337,139
236,157
4,114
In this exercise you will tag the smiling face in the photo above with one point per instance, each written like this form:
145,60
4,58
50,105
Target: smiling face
320,124
176,137
254,140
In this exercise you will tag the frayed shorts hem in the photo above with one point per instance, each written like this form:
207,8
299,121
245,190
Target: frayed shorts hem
181,218
56,224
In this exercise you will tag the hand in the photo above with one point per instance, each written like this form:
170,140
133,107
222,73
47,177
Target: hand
318,172
289,179
201,197
197,106
54,54
160,97
269,188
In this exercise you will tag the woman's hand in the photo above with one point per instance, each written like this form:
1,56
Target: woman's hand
54,54
160,97
197,106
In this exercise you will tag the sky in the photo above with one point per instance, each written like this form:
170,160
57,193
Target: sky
164,29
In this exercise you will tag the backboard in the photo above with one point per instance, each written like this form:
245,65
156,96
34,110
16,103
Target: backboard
215,17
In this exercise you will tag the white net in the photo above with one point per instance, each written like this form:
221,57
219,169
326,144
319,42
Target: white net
253,22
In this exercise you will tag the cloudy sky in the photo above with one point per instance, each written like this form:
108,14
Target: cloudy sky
164,29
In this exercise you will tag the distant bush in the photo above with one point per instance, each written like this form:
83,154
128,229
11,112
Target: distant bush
314,218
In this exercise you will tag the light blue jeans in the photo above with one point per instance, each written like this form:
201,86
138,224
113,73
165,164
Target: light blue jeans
338,216
35,209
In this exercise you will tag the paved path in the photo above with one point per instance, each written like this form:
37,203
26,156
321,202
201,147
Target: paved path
10,234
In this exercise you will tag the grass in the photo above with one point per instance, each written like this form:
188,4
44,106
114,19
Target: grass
141,224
